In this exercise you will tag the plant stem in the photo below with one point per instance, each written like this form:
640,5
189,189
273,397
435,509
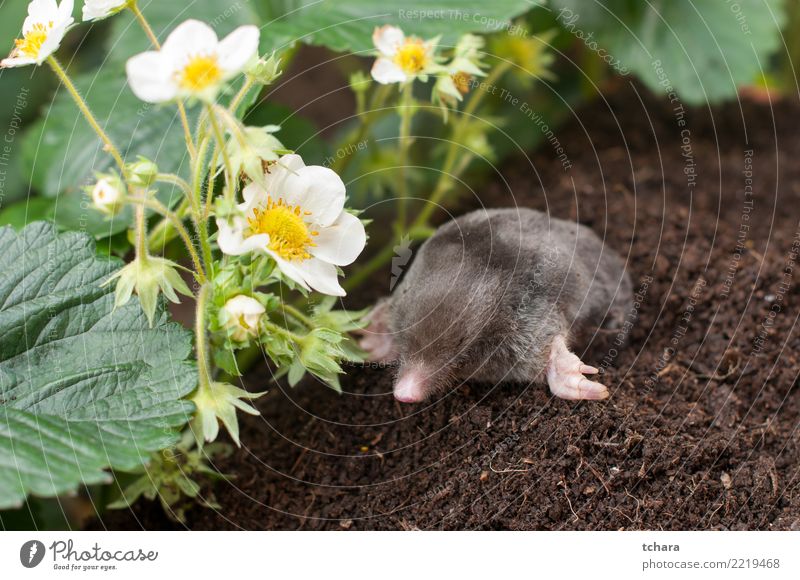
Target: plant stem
148,30
163,232
201,344
239,97
141,233
297,314
157,206
84,108
406,112
201,225
277,328
220,138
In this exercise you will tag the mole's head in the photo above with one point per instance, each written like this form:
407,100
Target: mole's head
440,326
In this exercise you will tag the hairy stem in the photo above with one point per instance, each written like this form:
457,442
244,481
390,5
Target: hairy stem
84,108
239,97
176,222
201,342
163,232
201,224
220,139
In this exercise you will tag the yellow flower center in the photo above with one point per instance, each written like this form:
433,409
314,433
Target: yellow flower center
412,57
31,43
289,236
200,73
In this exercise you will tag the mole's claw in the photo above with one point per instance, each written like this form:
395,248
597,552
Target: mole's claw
565,375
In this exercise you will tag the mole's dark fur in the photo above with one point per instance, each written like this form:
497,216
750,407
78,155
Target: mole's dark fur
488,292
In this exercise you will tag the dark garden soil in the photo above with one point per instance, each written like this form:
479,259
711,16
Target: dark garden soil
702,427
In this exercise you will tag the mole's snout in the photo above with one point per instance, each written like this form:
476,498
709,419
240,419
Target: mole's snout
410,386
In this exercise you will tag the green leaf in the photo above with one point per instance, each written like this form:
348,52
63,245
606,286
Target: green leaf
348,25
22,212
706,48
83,387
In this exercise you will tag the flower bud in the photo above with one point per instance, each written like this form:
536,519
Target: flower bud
242,315
107,195
265,70
142,172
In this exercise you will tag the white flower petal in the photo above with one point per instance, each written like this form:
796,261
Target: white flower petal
191,37
289,269
99,9
65,11
232,241
15,61
324,197
342,242
321,276
43,11
387,39
151,78
278,172
254,195
387,72
236,49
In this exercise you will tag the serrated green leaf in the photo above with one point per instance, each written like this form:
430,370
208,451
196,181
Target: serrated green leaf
83,387
706,48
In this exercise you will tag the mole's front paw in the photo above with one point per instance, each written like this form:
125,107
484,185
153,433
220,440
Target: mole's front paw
565,375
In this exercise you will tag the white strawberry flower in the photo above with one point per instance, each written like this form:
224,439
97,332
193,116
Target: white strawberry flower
191,63
297,217
42,32
242,316
402,58
107,195
99,9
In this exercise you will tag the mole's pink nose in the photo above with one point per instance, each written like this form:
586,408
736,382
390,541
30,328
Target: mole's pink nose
409,388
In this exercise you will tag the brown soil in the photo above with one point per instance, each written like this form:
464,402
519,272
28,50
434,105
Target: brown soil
701,430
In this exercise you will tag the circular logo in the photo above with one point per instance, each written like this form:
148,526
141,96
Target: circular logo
31,553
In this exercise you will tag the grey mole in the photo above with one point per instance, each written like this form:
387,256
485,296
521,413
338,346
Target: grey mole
497,295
